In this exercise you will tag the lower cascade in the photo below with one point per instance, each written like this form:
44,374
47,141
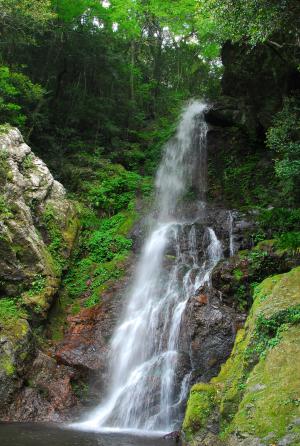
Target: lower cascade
146,390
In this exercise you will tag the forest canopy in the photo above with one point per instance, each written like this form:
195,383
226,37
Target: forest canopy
111,75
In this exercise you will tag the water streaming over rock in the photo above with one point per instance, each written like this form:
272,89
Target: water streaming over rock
231,236
144,392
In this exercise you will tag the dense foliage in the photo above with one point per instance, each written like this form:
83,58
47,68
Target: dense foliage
284,139
96,88
111,76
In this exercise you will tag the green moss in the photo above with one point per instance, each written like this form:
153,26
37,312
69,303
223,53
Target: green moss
238,274
39,297
5,210
200,406
70,232
5,171
56,243
277,293
231,379
58,316
271,398
7,365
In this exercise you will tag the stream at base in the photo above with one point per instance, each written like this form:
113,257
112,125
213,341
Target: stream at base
39,434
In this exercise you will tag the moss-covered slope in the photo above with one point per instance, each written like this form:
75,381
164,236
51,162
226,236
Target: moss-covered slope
255,398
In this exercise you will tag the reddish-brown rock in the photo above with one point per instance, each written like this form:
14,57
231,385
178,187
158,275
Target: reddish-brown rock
85,346
47,394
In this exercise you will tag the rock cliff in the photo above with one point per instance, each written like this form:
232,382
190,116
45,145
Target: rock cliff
38,228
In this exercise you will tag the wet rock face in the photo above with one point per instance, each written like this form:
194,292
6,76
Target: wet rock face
208,334
234,276
48,394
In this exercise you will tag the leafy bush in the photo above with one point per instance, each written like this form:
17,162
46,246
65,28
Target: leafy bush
284,139
114,193
279,220
289,241
37,286
9,310
104,246
248,179
17,96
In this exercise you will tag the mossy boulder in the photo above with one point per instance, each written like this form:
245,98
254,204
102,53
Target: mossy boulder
201,404
256,393
270,407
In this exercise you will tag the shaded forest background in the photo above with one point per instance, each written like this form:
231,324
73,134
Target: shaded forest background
109,79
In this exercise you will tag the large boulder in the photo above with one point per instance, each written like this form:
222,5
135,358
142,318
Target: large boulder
48,394
38,226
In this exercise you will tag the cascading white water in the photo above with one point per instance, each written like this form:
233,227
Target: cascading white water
231,237
144,348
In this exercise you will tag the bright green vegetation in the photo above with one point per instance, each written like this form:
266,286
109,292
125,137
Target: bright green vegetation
38,285
14,328
5,211
107,214
256,391
14,334
200,406
139,62
104,244
10,311
284,139
17,96
283,225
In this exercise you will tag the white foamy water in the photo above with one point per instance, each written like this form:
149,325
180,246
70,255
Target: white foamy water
144,350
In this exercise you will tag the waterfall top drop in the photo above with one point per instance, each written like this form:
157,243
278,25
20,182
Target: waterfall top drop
147,391
182,166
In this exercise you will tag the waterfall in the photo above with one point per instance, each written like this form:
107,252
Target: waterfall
144,392
231,237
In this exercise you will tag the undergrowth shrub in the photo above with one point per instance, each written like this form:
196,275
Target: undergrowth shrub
284,139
